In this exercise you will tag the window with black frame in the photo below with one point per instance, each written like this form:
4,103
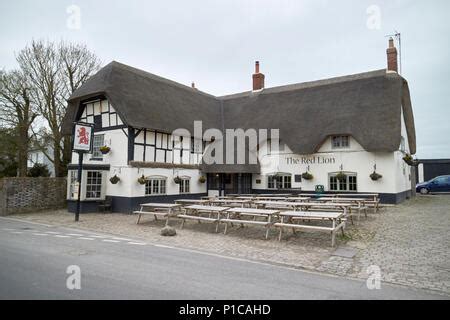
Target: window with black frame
349,183
279,181
155,186
94,185
338,142
185,185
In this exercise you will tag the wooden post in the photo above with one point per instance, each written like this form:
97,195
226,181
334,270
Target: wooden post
80,172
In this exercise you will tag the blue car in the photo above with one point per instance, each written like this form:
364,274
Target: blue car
438,184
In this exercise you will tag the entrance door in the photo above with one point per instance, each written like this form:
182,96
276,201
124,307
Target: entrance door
230,183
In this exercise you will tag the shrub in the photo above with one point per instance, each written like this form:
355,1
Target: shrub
39,170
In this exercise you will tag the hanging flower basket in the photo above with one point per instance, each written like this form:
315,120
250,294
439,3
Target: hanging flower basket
375,176
341,176
307,176
177,180
104,149
410,160
202,179
114,179
141,180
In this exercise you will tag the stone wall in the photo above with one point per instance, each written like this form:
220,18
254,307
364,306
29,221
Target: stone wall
31,194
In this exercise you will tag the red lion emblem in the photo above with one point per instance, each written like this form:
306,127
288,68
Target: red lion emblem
83,136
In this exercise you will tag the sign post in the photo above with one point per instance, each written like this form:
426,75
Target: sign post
82,143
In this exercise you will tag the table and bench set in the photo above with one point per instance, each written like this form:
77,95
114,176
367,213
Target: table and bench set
268,211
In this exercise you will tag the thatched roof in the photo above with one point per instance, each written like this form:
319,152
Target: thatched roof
366,106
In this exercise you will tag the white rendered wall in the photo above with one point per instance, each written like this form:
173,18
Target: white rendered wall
128,185
328,160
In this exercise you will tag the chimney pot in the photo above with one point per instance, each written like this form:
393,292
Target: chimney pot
391,42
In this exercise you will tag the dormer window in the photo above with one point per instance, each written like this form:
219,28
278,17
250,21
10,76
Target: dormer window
339,142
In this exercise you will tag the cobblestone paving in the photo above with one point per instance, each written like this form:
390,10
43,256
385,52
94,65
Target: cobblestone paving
409,242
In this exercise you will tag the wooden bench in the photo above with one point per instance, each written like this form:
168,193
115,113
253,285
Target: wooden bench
234,215
154,213
165,210
288,218
195,212
280,205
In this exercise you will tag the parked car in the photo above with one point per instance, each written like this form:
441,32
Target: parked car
438,184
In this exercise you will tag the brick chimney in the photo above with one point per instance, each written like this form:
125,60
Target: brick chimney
258,78
392,62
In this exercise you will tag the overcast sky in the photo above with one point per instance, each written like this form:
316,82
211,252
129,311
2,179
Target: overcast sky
215,43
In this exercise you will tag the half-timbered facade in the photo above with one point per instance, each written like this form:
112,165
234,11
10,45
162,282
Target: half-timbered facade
354,125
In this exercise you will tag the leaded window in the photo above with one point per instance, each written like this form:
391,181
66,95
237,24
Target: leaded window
155,186
97,143
94,185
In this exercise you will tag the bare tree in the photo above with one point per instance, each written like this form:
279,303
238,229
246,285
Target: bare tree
17,112
55,72
78,65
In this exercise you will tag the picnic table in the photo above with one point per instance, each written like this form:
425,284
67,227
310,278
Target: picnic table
191,201
298,198
235,215
288,220
274,194
290,205
245,198
372,195
357,203
240,202
318,206
312,194
165,210
374,201
273,198
197,212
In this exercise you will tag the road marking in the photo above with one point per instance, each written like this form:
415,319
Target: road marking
40,234
52,232
75,234
163,246
137,243
8,229
17,232
108,240
122,239
95,236
84,238
26,221
61,236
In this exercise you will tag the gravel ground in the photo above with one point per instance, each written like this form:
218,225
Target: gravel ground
409,242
